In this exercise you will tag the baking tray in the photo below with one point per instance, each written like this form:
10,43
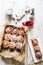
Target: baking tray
25,62
35,34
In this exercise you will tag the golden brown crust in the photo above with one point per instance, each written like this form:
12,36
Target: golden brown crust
36,48
34,42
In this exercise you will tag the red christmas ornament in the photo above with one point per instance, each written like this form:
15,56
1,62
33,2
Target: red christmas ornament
24,24
28,23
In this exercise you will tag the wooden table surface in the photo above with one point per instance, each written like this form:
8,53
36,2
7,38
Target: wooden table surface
37,5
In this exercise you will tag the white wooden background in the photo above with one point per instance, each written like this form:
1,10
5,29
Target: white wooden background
17,5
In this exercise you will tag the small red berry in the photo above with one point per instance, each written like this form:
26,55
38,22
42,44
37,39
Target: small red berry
31,23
